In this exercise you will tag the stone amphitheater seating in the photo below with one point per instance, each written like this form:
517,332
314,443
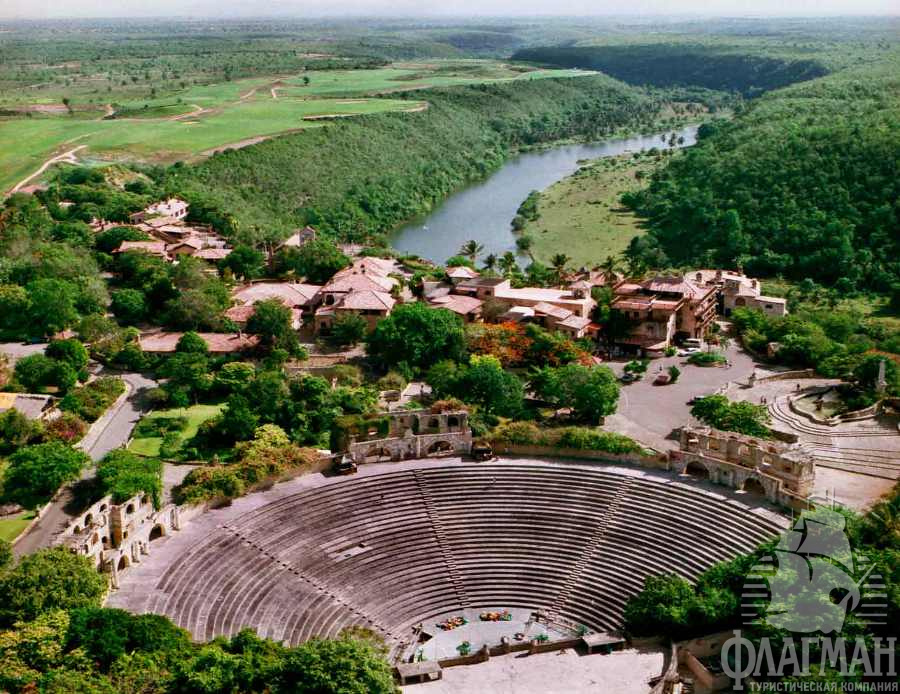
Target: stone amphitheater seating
389,551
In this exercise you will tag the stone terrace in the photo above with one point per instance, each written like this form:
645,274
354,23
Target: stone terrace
401,543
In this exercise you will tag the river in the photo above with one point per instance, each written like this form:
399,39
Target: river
484,210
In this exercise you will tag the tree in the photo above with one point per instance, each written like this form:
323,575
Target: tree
418,335
51,306
238,421
471,249
742,417
559,262
484,382
36,472
15,307
508,263
490,264
70,351
865,375
272,322
610,269
336,666
37,372
191,343
49,579
16,430
316,260
244,261
592,392
123,474
348,329
129,306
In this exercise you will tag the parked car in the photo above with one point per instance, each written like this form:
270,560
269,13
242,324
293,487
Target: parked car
345,466
628,378
662,379
688,351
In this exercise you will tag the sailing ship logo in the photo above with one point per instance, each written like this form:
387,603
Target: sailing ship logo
813,580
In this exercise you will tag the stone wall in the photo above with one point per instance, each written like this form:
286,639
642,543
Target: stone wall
416,434
657,461
784,472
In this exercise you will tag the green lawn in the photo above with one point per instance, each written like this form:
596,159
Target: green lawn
581,215
195,415
12,526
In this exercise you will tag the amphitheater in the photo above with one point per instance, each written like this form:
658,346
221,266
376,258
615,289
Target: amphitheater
402,545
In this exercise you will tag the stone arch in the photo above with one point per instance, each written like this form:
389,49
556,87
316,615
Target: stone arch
76,529
697,470
740,301
441,447
157,532
102,508
129,509
753,486
88,519
124,563
378,454
434,423
453,421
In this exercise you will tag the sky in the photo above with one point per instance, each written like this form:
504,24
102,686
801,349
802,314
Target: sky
45,9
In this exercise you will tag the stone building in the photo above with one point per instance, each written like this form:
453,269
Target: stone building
783,473
736,290
662,311
411,434
115,536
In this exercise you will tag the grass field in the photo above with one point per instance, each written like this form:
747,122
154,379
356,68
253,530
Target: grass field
195,415
12,526
201,119
581,215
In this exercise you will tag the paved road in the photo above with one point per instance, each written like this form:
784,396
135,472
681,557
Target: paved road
109,433
649,413
17,350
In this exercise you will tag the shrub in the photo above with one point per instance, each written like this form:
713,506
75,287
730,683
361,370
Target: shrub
706,358
124,474
94,398
742,417
67,428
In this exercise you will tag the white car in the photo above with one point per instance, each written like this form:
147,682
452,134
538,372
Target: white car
689,351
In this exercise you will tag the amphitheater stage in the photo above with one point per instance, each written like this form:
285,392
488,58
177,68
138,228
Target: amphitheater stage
521,628
403,544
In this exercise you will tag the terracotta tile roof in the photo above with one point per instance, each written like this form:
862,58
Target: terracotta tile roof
240,314
218,343
367,301
358,282
461,272
463,305
551,310
154,247
290,293
575,322
213,253
677,285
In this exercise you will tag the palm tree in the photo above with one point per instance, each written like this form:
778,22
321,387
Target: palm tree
610,269
508,262
490,263
471,249
558,262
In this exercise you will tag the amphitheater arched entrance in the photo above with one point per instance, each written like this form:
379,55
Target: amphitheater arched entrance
378,454
754,486
123,563
440,448
157,532
696,470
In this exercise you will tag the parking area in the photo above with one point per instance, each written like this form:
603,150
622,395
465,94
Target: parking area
649,413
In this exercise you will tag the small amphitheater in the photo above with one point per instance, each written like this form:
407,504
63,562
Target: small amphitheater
401,547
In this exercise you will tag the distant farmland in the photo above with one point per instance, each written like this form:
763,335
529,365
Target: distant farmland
201,119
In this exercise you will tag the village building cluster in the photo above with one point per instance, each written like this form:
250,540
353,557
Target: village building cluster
659,312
